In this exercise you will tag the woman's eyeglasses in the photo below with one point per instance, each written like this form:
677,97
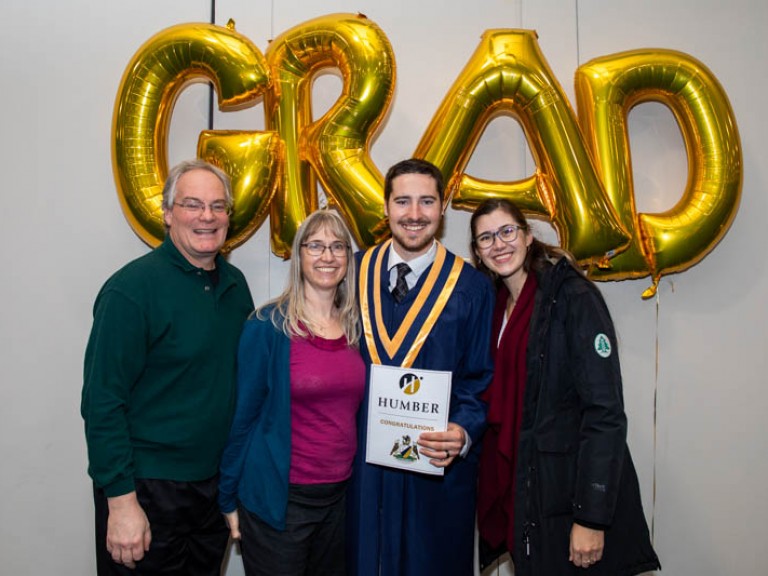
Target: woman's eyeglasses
507,234
338,249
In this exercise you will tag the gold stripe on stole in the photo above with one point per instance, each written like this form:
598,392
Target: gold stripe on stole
364,308
392,345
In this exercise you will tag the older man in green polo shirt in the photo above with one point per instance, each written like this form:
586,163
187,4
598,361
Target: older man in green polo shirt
159,388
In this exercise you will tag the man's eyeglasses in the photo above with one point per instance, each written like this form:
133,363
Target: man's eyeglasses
507,234
194,206
338,249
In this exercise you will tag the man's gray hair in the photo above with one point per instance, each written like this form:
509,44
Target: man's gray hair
169,189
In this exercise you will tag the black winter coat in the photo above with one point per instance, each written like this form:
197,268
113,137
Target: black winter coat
573,462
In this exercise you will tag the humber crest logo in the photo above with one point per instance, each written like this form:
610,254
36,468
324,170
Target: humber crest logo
410,383
405,449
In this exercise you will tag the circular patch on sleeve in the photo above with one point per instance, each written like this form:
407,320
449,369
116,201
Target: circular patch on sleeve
603,345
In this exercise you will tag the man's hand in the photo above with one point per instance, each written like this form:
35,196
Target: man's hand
128,533
443,447
586,546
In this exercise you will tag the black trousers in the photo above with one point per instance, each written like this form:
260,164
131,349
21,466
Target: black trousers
312,543
189,535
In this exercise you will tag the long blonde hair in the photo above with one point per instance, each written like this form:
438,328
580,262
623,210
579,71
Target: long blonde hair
289,313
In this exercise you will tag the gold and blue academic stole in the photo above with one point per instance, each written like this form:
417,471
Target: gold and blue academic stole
403,348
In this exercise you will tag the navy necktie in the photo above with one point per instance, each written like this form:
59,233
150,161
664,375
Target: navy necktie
401,286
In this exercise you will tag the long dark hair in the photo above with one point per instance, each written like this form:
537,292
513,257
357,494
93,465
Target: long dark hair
540,254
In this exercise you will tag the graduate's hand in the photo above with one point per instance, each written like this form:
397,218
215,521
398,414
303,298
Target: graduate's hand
443,447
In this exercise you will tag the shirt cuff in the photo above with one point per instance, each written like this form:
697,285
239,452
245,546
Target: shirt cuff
467,444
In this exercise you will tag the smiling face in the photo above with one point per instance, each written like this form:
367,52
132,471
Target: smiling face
505,259
198,235
414,211
325,272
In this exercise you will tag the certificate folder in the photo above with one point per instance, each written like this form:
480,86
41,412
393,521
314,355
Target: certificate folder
403,403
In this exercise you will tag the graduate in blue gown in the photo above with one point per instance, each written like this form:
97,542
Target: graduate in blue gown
434,314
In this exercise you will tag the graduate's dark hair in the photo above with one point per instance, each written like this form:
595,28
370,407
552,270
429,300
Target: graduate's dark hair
414,166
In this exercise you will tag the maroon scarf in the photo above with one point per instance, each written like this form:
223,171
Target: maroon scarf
495,502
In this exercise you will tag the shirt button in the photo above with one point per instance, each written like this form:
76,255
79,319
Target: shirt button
207,288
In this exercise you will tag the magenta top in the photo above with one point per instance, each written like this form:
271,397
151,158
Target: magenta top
327,385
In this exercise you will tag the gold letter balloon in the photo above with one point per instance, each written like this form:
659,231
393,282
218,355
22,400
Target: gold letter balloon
606,90
155,77
583,177
508,74
334,148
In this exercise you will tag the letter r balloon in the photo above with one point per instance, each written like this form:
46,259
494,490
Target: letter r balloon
582,181
334,148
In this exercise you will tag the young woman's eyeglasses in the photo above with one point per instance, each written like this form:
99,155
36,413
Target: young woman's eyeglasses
507,234
195,206
338,249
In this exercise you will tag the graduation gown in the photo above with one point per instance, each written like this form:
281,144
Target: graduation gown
403,523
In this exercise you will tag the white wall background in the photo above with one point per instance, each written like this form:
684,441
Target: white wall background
694,358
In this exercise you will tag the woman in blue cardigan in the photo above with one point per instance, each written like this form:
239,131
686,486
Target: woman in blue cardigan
300,382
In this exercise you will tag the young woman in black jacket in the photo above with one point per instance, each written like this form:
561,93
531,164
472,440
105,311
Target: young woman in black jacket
557,485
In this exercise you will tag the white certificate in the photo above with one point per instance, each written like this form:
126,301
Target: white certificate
403,403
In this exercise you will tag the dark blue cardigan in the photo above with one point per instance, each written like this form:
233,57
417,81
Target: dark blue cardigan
257,457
